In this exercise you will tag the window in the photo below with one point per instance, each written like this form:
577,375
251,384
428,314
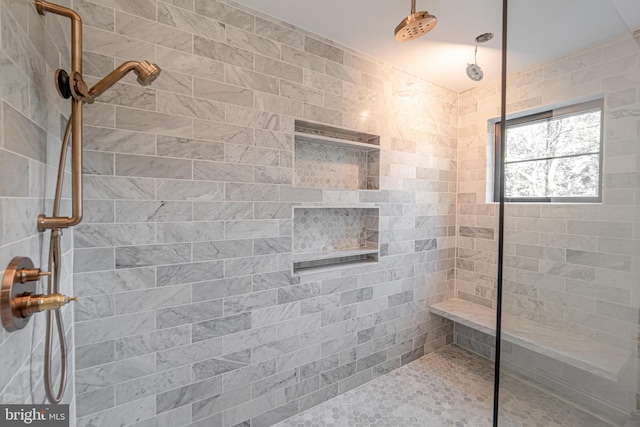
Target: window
554,156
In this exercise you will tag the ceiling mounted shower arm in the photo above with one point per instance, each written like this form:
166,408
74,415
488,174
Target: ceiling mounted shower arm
58,222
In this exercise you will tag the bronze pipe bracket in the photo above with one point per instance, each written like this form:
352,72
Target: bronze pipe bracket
72,86
40,7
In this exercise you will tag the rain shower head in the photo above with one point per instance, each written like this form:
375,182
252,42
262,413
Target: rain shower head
415,25
146,72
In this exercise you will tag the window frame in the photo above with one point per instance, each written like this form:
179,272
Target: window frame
597,104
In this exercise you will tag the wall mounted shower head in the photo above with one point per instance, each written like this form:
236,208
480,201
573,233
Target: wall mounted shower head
415,25
146,72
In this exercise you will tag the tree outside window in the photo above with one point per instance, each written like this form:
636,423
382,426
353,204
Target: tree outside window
553,156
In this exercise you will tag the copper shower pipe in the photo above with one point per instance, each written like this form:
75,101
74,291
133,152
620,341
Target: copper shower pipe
57,222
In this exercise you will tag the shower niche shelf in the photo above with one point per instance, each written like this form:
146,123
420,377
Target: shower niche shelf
333,158
330,237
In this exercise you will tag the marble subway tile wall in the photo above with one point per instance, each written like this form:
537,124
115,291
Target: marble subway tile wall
575,267
188,310
32,119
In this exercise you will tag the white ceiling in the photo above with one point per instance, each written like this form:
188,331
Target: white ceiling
538,30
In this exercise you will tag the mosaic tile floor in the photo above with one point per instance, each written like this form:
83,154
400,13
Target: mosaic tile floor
451,387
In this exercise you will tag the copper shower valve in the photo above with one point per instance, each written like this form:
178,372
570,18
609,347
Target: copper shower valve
18,298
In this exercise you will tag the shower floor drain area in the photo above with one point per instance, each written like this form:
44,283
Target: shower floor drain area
450,387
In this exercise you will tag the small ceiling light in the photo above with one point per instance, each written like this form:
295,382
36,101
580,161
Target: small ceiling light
474,71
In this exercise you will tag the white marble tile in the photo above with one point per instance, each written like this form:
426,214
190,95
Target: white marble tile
222,52
150,31
182,62
225,13
183,19
581,352
279,33
151,122
115,45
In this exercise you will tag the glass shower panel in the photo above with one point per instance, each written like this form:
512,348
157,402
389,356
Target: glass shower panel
571,264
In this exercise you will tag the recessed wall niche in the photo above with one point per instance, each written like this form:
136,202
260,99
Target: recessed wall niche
325,237
334,158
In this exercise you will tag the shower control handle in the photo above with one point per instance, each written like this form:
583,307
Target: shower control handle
29,305
19,299
31,274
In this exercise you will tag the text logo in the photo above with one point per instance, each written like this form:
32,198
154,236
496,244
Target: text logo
34,415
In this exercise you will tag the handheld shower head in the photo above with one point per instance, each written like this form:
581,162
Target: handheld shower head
146,72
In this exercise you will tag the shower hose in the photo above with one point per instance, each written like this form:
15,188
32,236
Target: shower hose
53,287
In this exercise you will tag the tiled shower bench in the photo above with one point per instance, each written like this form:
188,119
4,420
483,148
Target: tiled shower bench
600,359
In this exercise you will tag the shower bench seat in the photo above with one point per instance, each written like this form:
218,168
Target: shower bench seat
580,352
